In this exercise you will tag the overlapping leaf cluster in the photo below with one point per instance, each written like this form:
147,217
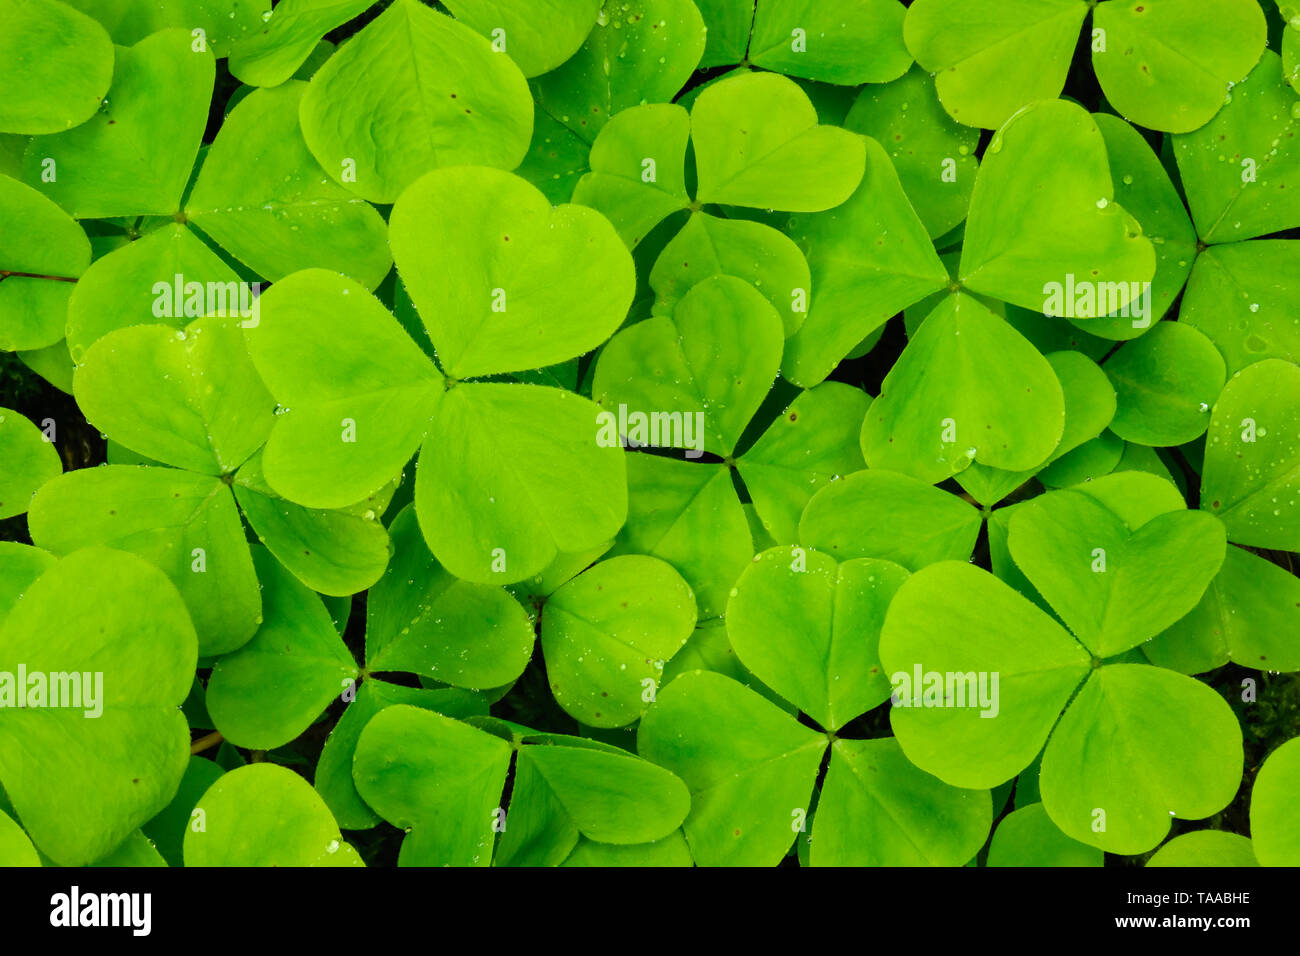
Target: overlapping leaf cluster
361,529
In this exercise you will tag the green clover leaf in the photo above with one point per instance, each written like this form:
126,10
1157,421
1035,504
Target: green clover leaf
1018,242
396,102
808,628
184,523
933,154
1090,404
883,514
1252,461
639,51
1165,64
1244,195
1028,837
494,305
1165,383
135,155
961,416
1115,585
538,36
38,269
869,257
608,631
81,784
271,689
30,461
1275,836
849,45
265,815
1247,615
1202,848
57,66
264,199
289,34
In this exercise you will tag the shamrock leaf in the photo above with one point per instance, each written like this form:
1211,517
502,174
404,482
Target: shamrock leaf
934,155
877,809
1028,837
86,770
412,91
567,787
443,779
271,55
184,523
858,43
357,392
811,444
337,443
265,815
38,267
135,155
1165,383
1240,295
709,246
940,635
607,632
262,196
515,480
1143,188
422,620
1203,848
337,553
753,134
808,628
747,763
1276,837
954,618
882,514
960,416
1020,243
1252,462
494,305
757,141
989,61
56,64
269,691
334,771
1089,408
30,461
1166,64
714,359
639,51
1141,777
751,769
538,35
869,257
1157,61
1250,192
625,160
1115,585
687,513
137,283
189,398
1248,614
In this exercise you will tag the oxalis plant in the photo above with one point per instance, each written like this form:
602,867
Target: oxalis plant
649,433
